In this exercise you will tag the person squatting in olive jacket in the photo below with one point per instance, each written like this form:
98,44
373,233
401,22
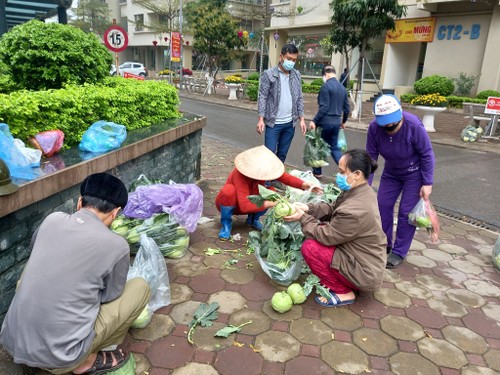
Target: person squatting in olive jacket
252,168
345,245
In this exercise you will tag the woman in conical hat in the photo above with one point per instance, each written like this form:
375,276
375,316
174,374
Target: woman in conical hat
252,168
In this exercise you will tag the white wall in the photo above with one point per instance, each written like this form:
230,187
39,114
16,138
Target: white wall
402,61
448,57
490,70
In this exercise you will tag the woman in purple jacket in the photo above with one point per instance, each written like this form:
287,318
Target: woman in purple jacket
401,139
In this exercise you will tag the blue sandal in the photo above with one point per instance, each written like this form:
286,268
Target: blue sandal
333,301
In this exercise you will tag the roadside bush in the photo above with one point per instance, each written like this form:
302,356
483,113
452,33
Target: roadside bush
464,84
434,84
253,77
253,92
48,55
484,94
135,104
6,82
310,89
317,82
457,101
407,98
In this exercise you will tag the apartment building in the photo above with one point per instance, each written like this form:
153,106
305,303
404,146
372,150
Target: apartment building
151,47
445,37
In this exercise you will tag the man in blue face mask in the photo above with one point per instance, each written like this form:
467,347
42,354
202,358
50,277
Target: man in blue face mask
281,103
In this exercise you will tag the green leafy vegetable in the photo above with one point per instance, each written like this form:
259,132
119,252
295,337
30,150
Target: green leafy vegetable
226,331
204,316
316,150
312,281
210,251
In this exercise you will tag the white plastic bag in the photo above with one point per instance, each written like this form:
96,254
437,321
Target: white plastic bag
32,155
150,265
304,196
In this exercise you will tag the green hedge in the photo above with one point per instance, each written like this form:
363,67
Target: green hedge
457,101
434,84
253,92
486,93
310,89
453,101
129,102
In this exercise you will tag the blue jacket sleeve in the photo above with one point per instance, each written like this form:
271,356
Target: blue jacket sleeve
323,104
347,108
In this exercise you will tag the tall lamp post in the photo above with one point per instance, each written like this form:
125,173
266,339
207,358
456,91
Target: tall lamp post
180,30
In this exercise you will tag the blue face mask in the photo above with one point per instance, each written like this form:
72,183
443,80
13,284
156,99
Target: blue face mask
287,64
341,181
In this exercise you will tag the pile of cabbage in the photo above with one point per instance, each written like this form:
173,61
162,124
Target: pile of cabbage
171,238
471,133
316,150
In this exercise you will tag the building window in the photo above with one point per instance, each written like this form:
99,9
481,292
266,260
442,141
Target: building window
246,25
123,1
124,23
375,56
139,22
312,57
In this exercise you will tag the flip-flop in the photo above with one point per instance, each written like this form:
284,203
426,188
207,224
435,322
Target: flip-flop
394,261
333,301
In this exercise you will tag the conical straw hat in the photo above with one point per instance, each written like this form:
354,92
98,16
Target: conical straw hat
259,163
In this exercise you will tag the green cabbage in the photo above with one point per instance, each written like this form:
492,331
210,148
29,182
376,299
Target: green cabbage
281,302
297,293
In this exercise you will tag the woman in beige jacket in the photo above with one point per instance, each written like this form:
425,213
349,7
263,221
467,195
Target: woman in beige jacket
345,245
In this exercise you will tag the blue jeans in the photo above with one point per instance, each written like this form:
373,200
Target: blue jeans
330,133
279,138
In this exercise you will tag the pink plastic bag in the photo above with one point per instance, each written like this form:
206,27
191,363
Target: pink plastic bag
49,142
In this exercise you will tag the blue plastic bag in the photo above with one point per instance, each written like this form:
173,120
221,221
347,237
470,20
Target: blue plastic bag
103,136
20,166
342,141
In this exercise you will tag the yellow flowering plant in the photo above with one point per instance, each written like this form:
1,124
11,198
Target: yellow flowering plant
430,100
233,79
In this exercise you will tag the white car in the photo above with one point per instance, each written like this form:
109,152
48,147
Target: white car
130,67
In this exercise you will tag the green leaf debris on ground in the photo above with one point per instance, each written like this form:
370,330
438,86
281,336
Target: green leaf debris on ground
226,331
204,316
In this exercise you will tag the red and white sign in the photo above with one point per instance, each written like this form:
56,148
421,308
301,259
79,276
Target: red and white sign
492,106
134,76
175,45
116,38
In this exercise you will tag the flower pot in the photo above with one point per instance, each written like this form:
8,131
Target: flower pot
428,116
232,90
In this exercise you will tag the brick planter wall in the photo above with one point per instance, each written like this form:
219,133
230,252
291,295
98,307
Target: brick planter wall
172,155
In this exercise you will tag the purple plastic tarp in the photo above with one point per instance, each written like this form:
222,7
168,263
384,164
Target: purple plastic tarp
183,201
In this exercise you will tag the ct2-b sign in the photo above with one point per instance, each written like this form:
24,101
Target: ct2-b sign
116,38
492,106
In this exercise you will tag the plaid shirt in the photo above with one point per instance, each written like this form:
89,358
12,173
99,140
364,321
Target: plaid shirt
270,92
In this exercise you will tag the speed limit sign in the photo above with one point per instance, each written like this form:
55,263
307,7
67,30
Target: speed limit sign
116,38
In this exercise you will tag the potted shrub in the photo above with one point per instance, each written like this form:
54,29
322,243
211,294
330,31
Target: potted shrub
233,83
430,105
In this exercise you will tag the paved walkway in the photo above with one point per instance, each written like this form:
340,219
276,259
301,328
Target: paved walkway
439,313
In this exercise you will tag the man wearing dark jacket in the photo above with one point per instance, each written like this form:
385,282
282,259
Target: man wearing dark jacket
333,111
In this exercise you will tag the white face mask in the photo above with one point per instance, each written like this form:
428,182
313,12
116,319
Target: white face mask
324,79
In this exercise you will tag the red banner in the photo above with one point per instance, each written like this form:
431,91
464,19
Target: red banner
175,46
134,76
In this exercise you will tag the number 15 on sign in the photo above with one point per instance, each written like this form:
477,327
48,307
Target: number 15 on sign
116,38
